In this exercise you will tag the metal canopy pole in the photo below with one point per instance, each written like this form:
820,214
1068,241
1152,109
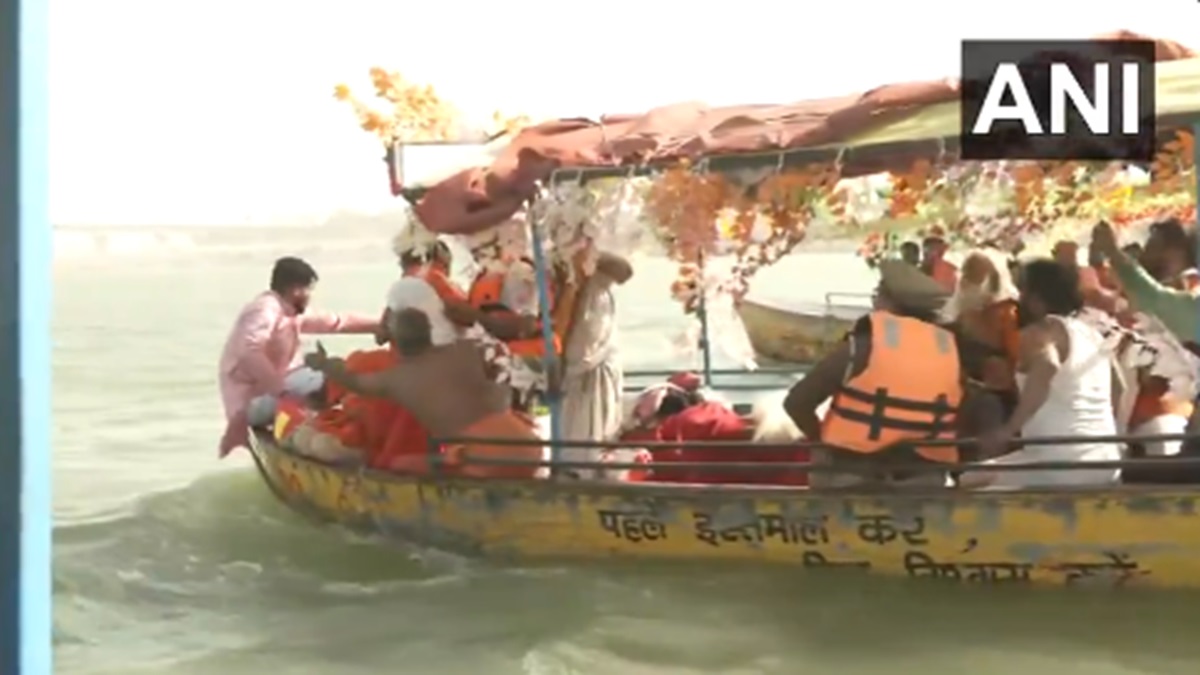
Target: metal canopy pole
702,315
1196,177
551,360
25,279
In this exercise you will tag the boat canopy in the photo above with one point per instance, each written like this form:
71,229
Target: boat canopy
885,128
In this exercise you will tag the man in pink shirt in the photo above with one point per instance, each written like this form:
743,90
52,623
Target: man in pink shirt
263,347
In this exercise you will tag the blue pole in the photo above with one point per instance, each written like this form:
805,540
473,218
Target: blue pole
25,246
702,315
1196,177
553,396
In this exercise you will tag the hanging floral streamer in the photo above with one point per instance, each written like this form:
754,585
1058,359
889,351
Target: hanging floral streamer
773,224
566,215
1002,204
412,113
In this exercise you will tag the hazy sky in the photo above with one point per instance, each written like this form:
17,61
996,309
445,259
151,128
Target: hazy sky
220,111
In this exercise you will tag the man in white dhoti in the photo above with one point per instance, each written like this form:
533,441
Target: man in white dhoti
592,381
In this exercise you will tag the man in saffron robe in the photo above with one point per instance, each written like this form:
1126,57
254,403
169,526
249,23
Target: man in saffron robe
263,346
387,435
449,388
983,312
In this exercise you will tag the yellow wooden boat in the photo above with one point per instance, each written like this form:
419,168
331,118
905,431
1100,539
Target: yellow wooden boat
802,332
1118,536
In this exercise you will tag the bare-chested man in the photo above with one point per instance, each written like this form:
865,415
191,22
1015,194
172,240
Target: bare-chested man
450,390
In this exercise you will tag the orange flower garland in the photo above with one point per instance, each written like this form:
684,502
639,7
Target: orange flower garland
764,224
685,204
1173,164
413,113
789,201
910,188
1043,194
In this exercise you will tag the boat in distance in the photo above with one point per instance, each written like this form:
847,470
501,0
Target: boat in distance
801,332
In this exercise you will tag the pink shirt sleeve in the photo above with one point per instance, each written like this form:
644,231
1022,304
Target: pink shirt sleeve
256,328
327,322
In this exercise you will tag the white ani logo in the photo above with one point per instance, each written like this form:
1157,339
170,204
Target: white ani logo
1063,86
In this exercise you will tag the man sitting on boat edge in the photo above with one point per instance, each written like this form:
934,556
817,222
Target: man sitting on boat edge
896,378
263,346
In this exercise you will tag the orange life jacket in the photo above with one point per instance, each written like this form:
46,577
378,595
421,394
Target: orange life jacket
909,391
437,277
485,295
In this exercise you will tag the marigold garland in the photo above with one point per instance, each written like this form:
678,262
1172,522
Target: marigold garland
1038,196
412,112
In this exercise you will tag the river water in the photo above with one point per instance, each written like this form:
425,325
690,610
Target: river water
168,561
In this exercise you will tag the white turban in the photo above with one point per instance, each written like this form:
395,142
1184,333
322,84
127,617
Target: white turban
415,293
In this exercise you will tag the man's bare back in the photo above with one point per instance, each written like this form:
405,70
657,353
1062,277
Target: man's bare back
446,388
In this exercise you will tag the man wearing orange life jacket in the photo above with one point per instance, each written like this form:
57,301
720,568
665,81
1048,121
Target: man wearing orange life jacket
507,300
895,380
505,303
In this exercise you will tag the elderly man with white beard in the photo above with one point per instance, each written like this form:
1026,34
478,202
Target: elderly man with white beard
983,311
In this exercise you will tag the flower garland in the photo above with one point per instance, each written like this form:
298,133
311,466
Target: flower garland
773,224
497,248
410,112
1001,204
413,236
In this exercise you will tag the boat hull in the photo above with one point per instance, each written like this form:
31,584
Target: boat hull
794,336
1122,536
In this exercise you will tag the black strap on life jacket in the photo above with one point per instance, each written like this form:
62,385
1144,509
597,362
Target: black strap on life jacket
941,412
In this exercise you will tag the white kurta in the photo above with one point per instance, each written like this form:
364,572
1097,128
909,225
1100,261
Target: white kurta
592,380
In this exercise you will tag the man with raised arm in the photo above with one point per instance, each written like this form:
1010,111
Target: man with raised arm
1177,308
261,355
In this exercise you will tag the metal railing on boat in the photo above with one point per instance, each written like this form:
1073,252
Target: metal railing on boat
909,467
724,379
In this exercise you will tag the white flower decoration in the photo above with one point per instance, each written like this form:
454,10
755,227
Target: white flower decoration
413,235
